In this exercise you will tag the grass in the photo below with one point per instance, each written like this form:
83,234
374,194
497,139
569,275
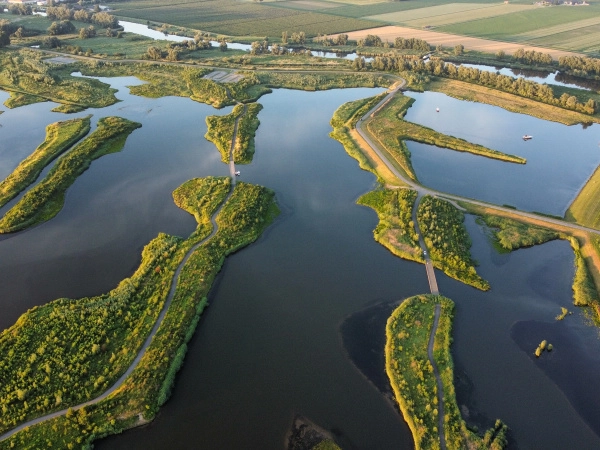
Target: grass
585,209
46,199
413,381
322,81
248,212
24,74
511,234
443,230
388,127
59,137
471,92
395,230
343,121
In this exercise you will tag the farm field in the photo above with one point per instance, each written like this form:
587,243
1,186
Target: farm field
390,33
240,19
448,14
584,39
511,27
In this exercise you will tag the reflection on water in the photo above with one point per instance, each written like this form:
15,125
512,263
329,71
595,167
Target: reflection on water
269,346
560,158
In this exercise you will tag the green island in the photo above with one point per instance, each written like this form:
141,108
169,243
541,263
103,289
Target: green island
45,200
106,332
413,381
446,237
221,132
395,230
60,136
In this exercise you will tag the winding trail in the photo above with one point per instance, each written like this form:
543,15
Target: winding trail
436,372
142,351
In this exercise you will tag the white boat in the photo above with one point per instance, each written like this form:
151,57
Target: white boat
526,137
237,173
437,109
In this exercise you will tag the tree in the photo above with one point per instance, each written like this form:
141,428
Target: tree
439,48
459,49
223,45
500,54
284,37
342,39
154,53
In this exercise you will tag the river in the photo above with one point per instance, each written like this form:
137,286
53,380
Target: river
269,346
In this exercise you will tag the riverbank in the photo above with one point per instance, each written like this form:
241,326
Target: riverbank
46,199
247,212
60,136
475,93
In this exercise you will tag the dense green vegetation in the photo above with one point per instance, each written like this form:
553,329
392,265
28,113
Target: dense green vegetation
585,292
395,230
221,130
413,381
350,113
511,234
585,209
446,237
116,324
59,137
29,79
322,81
46,199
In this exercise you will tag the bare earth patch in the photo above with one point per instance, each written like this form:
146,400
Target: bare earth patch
390,33
224,77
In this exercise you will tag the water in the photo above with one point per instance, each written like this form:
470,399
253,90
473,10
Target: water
269,346
540,76
560,158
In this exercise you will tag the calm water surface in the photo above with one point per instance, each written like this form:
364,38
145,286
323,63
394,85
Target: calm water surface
269,345
560,158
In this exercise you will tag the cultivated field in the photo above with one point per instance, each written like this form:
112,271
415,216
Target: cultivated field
390,33
239,19
448,14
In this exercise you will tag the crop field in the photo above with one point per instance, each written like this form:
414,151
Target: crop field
309,5
448,14
241,19
509,27
583,39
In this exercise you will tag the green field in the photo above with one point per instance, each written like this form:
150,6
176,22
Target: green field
509,27
448,14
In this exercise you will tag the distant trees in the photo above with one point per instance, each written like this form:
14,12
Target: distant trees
62,27
459,49
20,9
89,32
580,65
532,57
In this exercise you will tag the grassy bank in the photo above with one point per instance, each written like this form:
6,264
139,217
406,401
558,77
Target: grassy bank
29,79
511,234
59,137
46,199
119,321
395,230
480,94
585,209
413,381
446,237
343,122
221,130
388,125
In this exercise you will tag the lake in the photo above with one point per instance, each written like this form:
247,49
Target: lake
269,346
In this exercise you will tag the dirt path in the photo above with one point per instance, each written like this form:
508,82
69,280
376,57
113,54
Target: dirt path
436,372
142,351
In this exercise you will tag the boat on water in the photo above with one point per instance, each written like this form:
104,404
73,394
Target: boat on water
437,109
237,173
526,137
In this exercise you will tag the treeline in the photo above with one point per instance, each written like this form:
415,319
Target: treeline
519,86
446,237
532,57
101,18
372,40
175,49
580,65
